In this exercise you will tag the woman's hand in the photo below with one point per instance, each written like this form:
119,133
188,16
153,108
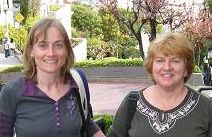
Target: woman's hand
99,134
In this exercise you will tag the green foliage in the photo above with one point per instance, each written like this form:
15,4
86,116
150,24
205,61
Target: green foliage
197,69
76,33
54,7
159,28
75,42
17,68
109,62
1,33
19,36
109,26
107,119
97,48
106,37
33,7
209,2
30,22
86,19
106,62
24,9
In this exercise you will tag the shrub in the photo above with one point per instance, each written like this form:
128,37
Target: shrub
106,62
107,120
109,62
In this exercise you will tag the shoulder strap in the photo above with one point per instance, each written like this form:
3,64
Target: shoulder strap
85,82
131,108
83,98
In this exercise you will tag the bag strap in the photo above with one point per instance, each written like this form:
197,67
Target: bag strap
83,98
83,129
131,108
85,82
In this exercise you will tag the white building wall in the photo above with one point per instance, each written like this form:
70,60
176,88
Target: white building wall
64,15
145,42
80,51
8,18
44,8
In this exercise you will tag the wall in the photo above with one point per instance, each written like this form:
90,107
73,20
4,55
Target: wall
80,50
131,74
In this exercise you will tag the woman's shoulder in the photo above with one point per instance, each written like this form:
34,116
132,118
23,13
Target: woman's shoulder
203,98
12,86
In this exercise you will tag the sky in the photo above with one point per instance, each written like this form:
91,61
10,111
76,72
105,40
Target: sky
124,3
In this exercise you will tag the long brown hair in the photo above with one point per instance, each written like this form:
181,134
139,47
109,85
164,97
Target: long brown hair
39,30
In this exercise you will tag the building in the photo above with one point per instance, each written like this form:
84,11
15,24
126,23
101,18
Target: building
59,9
6,14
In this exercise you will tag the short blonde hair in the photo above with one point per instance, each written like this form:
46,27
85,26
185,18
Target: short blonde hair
38,31
171,44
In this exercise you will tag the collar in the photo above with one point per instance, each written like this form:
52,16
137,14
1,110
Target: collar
29,87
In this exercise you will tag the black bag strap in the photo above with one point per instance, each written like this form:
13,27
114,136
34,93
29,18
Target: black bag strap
83,127
83,99
131,108
85,82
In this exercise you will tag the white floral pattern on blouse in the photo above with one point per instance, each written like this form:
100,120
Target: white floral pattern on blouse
163,121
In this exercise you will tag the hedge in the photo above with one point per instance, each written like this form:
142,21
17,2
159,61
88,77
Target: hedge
107,62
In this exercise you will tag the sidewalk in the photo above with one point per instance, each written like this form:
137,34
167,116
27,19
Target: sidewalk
10,61
107,96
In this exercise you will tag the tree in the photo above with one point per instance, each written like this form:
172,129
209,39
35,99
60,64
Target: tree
199,29
33,7
105,36
147,12
209,3
24,9
86,19
19,36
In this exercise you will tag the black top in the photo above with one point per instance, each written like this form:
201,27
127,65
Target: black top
191,118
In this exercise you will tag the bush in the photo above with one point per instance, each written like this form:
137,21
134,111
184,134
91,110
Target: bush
107,120
106,62
109,62
197,69
17,68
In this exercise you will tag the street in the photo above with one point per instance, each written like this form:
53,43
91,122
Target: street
107,96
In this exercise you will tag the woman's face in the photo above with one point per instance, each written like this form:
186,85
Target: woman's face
168,71
49,53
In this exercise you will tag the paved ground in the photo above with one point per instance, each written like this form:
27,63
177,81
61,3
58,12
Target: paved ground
107,96
10,61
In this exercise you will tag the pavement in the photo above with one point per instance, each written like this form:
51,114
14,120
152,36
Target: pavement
107,96
10,61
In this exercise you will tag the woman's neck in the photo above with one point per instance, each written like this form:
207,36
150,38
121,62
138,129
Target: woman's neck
52,85
48,78
165,99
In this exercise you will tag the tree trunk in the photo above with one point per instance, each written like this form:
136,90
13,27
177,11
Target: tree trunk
141,48
153,31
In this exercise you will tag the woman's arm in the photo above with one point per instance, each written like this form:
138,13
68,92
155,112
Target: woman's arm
99,134
118,127
6,113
